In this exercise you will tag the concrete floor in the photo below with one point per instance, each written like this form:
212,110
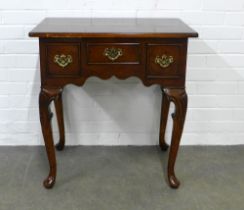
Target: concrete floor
122,178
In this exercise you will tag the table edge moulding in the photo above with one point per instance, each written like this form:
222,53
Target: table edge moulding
151,49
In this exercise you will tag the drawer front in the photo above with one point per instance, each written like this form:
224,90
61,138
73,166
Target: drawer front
63,59
163,61
113,53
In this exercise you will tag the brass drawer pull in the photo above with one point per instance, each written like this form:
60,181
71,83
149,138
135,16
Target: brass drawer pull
164,61
63,60
113,53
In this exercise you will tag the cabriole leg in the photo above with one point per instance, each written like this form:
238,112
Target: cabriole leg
45,98
163,122
179,98
59,112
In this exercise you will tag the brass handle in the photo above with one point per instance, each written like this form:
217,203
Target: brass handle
164,61
113,53
63,60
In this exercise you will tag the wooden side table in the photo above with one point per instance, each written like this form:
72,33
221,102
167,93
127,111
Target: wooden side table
73,49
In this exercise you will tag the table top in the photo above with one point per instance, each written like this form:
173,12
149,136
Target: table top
112,28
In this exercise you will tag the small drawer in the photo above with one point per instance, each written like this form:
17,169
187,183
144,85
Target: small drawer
113,53
63,59
163,60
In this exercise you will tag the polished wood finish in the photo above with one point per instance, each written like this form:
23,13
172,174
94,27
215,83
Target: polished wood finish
179,98
45,98
173,70
112,28
163,121
130,53
72,50
59,112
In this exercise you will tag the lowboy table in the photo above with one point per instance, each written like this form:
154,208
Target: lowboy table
73,49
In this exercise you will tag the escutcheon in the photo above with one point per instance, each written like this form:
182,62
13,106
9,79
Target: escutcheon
164,61
113,53
63,60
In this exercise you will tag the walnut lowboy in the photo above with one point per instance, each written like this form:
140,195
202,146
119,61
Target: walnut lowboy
153,50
